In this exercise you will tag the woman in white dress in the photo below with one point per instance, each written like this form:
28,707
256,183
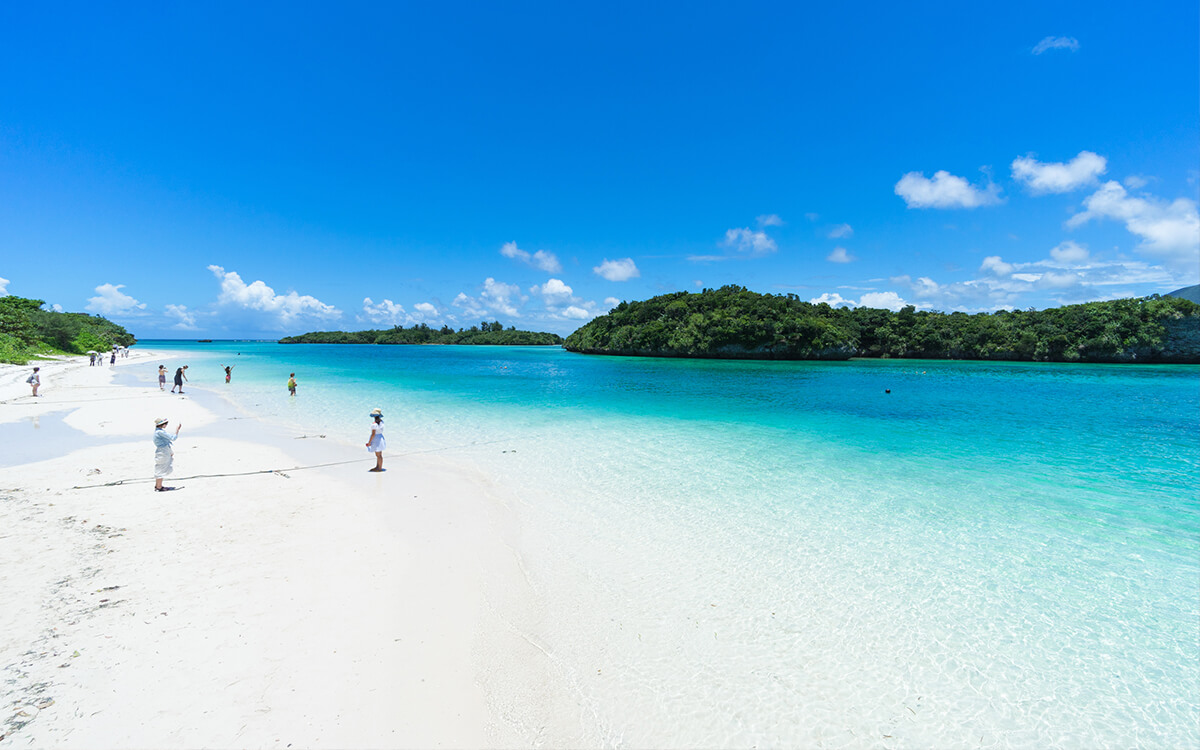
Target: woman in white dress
164,455
375,443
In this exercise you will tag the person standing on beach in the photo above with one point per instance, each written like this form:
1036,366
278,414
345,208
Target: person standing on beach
292,384
162,377
34,380
91,359
228,372
164,455
375,443
180,377
112,361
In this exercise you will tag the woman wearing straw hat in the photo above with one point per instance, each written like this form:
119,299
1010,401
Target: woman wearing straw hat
164,456
375,443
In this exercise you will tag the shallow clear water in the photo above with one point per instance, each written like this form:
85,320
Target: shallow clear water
740,553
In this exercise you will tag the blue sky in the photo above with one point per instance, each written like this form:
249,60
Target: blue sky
218,170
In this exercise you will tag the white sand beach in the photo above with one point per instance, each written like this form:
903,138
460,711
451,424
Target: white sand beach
324,607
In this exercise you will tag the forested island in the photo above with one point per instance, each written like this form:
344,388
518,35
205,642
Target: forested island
493,334
735,323
27,331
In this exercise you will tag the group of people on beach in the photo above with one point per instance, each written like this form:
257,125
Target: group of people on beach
181,377
96,358
164,453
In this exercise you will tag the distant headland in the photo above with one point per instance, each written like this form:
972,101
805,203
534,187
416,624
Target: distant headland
735,323
493,334
27,331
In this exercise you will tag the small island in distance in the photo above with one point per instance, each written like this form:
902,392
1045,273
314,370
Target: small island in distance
735,323
490,334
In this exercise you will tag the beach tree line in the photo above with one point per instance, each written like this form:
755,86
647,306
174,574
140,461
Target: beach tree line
486,333
733,322
27,330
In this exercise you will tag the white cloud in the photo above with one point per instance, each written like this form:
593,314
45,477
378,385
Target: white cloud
833,300
185,320
1058,280
1168,230
561,303
841,230
552,290
1059,177
749,242
543,260
56,307
623,269
769,220
110,300
839,255
995,265
388,312
1069,252
886,300
385,313
1056,42
1136,181
4,286
277,310
944,191
502,297
494,297
470,305
1068,275
922,287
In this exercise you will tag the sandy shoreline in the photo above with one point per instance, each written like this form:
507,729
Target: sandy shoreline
307,608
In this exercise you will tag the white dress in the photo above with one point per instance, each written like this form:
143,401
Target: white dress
377,444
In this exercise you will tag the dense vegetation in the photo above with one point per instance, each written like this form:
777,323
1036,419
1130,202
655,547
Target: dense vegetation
486,333
732,322
26,330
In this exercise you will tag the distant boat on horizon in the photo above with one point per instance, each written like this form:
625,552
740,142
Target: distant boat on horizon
203,341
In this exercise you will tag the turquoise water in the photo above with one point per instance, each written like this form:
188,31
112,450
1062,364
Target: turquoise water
739,553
